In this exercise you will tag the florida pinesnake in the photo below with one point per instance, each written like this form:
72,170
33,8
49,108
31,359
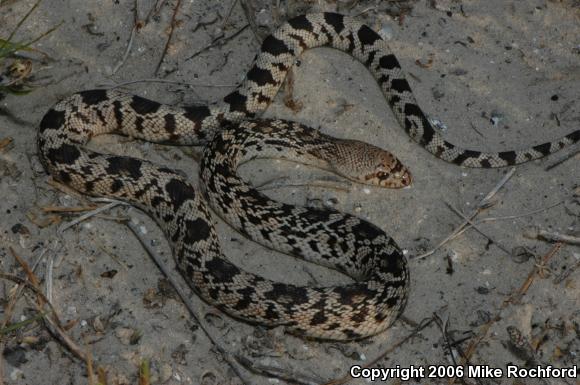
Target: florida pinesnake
231,134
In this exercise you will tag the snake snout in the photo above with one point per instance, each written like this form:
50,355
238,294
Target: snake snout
396,179
404,178
390,172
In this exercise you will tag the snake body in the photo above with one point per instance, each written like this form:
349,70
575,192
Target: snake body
231,135
326,237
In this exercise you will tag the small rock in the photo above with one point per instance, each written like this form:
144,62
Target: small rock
179,354
98,325
331,202
19,228
437,93
165,373
521,254
16,374
483,316
15,356
438,124
496,117
482,290
209,378
215,319
152,299
128,336
386,32
458,72
348,351
263,19
9,169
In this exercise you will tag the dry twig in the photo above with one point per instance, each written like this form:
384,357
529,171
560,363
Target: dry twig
153,80
534,232
219,40
562,159
88,215
289,376
127,50
56,329
171,29
565,274
476,227
276,183
483,204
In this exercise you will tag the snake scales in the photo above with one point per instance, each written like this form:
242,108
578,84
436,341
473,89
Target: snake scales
231,136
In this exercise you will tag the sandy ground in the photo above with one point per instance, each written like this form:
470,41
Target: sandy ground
471,63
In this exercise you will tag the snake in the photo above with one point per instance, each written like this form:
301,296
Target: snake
232,133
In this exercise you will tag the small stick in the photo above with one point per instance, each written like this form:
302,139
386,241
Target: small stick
291,377
65,209
127,50
443,326
89,362
66,190
537,267
457,233
491,219
19,24
562,159
153,80
497,187
534,232
5,142
171,29
48,277
279,183
565,274
56,328
483,204
154,11
144,373
520,346
88,215
249,11
220,40
113,256
21,324
234,2
477,227
29,273
8,309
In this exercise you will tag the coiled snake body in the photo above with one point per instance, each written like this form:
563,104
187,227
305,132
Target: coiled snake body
231,136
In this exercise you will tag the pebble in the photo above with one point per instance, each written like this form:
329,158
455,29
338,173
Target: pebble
521,254
16,374
495,118
386,32
15,356
165,373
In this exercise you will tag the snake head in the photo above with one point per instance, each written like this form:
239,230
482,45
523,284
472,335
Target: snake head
389,172
368,164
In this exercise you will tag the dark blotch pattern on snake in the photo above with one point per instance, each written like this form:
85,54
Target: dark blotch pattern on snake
344,242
